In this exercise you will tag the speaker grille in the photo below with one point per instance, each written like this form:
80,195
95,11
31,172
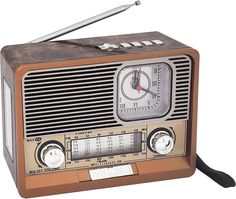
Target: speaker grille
82,98
69,100
182,87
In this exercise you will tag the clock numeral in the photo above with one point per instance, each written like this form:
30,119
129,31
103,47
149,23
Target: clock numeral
122,105
135,104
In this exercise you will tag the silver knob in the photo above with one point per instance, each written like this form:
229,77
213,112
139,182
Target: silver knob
162,142
52,155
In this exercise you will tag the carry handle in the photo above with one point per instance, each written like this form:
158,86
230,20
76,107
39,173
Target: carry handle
219,177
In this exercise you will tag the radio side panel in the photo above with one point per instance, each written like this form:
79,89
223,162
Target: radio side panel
8,117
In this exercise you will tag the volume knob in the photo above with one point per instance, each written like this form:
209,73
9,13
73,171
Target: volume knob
161,142
52,155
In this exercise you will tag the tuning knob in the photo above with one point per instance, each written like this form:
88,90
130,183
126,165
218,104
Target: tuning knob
52,155
161,141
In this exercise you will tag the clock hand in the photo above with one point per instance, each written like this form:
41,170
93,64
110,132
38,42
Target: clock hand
136,79
136,83
139,76
148,91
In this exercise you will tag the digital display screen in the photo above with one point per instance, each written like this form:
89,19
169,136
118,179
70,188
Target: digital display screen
106,146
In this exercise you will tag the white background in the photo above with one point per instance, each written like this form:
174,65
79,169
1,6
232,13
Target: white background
208,26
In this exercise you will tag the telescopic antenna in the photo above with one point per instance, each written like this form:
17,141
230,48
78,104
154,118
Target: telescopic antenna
86,22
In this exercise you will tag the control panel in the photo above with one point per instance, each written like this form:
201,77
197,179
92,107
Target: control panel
104,148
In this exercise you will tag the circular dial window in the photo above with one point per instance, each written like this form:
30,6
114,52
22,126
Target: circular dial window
144,91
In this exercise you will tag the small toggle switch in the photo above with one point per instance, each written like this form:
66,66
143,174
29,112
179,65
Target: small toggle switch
125,45
147,43
158,42
136,44
108,46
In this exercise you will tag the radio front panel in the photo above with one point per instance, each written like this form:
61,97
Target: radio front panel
106,114
104,148
100,112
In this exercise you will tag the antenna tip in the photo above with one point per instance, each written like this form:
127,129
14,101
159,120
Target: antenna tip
137,3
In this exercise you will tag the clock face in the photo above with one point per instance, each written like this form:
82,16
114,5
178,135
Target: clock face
144,91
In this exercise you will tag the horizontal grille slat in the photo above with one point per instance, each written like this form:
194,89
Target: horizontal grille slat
72,109
182,82
181,94
55,96
68,115
182,66
182,74
180,106
180,114
181,102
69,99
177,58
182,78
183,70
181,62
80,90
67,78
177,118
56,104
182,87
68,86
181,90
78,74
69,107
72,82
180,110
181,98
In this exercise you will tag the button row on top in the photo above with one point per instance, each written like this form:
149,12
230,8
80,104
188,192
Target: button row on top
108,46
140,44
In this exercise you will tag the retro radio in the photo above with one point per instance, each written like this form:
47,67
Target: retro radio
100,112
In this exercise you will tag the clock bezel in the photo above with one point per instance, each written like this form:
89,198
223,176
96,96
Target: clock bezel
143,62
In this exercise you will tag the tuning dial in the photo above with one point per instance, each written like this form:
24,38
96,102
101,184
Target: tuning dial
161,141
52,155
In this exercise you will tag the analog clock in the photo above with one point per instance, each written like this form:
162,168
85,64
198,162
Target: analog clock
144,91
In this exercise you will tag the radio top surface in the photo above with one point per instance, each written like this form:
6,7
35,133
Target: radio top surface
87,48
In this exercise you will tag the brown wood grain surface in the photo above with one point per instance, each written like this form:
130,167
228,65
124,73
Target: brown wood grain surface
82,48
